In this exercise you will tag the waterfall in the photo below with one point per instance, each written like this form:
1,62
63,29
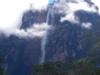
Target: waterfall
43,48
43,42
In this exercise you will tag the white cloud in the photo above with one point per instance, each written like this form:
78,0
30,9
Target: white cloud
70,7
71,18
37,30
40,4
87,25
11,12
97,2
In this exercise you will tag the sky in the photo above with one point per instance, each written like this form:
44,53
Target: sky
97,2
11,11
51,1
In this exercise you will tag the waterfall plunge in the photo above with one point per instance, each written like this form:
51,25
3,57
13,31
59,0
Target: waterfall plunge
43,42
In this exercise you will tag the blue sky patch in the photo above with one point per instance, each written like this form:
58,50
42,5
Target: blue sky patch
51,1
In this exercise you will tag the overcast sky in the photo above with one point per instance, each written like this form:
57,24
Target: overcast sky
11,11
97,2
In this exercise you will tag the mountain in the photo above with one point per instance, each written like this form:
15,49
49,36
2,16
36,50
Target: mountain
19,53
30,17
72,41
66,42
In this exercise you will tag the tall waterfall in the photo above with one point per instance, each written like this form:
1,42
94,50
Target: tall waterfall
43,42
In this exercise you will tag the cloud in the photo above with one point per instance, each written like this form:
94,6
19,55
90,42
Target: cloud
87,25
71,18
11,11
40,4
70,7
37,30
97,3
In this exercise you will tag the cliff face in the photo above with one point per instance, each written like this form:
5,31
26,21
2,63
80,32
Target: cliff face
30,17
20,53
66,42
71,41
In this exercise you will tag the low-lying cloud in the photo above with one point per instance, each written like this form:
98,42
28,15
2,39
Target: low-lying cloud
37,30
11,12
97,3
86,25
70,7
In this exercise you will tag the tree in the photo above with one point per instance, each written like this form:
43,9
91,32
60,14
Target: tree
1,70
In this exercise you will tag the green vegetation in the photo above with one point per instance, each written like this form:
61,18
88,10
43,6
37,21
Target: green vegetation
1,70
85,66
80,67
